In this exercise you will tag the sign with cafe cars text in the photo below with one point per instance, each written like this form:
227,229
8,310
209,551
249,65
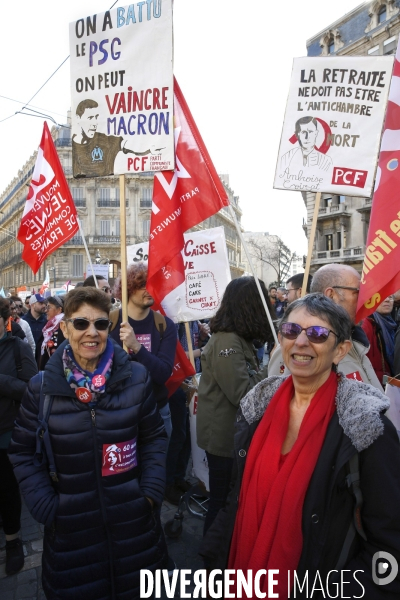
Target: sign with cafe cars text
333,124
207,274
122,90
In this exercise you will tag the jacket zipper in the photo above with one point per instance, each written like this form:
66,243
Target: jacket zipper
102,505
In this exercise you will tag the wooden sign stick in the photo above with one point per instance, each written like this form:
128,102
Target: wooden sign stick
124,267
311,243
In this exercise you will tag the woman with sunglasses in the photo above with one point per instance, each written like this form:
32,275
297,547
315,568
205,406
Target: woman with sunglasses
100,529
52,336
317,479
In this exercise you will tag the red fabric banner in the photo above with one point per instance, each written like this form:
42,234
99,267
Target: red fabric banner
182,370
181,199
380,275
50,217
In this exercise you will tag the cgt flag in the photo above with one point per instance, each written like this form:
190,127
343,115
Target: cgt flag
49,219
181,199
380,275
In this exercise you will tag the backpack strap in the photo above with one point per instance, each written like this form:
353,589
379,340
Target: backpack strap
356,526
17,356
114,318
160,323
44,451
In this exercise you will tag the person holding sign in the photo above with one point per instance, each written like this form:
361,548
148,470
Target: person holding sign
229,370
91,465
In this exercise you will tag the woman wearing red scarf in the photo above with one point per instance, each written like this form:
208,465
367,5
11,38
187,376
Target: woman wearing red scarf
295,438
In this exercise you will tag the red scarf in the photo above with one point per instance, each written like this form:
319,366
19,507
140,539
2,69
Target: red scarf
268,527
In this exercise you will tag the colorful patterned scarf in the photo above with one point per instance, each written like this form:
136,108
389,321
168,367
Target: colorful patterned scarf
78,377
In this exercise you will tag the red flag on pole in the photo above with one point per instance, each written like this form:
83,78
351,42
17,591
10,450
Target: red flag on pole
50,217
181,199
380,275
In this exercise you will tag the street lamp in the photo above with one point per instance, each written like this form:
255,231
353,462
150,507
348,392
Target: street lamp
54,270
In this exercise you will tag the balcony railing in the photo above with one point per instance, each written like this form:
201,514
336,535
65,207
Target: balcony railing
341,253
80,202
109,239
145,203
333,209
109,203
63,142
77,240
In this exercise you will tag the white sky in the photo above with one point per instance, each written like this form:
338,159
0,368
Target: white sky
233,63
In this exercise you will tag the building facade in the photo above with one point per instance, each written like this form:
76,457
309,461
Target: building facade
270,257
97,201
370,29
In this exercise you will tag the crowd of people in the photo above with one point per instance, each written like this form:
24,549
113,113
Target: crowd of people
304,466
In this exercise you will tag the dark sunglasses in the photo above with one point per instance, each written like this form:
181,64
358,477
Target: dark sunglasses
316,334
81,324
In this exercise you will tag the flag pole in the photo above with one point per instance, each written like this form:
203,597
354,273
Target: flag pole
87,251
190,345
254,273
311,243
124,268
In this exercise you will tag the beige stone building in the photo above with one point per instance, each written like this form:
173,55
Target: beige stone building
372,28
97,201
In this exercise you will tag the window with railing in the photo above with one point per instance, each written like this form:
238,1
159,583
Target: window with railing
146,195
77,265
146,228
105,227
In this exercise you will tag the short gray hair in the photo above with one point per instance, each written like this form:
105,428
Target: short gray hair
321,306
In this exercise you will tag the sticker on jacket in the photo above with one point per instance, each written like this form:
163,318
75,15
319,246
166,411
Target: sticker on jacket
118,458
355,375
225,353
145,340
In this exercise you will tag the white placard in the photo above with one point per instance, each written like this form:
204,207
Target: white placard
122,90
97,270
207,274
333,124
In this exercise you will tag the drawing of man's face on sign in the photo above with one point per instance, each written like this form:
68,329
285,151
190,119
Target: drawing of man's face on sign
306,133
87,113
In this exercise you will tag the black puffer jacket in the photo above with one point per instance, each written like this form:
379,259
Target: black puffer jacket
12,383
100,529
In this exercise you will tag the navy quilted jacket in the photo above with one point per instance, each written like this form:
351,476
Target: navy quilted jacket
100,529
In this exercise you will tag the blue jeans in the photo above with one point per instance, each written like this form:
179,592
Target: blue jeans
166,417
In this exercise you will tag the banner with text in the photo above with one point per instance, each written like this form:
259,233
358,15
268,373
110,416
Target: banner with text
122,90
333,124
207,274
49,219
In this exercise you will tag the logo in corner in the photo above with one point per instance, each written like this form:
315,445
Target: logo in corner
384,568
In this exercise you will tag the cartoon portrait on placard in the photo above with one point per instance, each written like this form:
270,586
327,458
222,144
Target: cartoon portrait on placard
94,153
309,157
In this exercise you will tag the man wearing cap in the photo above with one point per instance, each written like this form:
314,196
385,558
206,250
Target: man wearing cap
36,316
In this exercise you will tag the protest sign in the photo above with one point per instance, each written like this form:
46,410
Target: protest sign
333,124
101,270
122,90
49,218
207,274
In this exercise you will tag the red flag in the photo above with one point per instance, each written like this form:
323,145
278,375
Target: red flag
380,275
50,217
182,370
181,199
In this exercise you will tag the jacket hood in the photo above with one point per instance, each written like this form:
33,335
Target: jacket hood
55,383
358,405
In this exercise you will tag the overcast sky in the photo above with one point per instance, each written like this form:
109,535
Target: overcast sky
232,60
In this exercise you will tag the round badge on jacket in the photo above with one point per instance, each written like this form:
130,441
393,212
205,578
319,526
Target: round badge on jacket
83,394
